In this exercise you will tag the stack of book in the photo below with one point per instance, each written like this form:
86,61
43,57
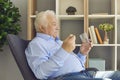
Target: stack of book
95,35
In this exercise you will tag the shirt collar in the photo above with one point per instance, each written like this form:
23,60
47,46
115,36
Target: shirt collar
46,37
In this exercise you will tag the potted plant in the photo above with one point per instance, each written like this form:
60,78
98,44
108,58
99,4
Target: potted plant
9,20
106,27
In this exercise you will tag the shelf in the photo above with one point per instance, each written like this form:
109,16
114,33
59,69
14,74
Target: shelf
71,17
118,45
77,44
118,17
101,16
32,16
104,45
101,45
82,16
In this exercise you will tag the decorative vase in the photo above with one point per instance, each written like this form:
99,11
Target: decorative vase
106,40
71,10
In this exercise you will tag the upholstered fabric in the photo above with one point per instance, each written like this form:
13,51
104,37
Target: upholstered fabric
17,47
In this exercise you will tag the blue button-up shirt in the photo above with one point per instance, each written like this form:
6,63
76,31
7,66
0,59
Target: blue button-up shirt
47,58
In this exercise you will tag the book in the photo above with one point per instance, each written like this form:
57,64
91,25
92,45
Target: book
98,36
93,34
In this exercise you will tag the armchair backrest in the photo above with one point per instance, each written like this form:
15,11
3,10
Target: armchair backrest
17,47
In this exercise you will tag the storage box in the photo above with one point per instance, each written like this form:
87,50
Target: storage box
97,63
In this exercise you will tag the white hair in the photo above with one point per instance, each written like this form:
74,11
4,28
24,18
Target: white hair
42,19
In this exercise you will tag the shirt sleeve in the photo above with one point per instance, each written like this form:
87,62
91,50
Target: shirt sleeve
41,64
82,57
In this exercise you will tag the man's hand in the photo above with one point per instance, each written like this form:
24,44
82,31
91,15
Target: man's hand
85,48
69,43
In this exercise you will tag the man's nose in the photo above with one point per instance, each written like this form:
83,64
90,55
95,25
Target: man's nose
57,27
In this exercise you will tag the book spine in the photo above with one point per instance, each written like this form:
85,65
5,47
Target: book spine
98,36
91,36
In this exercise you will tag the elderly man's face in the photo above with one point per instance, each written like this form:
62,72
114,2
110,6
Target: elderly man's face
52,29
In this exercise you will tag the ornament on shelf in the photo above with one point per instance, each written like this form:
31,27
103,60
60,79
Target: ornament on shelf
106,27
71,10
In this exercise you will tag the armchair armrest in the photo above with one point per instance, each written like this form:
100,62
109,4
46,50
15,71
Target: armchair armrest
92,69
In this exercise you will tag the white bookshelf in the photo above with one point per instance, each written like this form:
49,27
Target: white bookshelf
89,12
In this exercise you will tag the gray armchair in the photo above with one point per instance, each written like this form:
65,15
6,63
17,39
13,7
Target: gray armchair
18,46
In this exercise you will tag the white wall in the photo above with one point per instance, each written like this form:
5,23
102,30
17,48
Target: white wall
8,67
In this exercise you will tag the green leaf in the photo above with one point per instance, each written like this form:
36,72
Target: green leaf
9,20
106,27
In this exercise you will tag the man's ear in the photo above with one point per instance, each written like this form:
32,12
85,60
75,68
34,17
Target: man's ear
41,28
